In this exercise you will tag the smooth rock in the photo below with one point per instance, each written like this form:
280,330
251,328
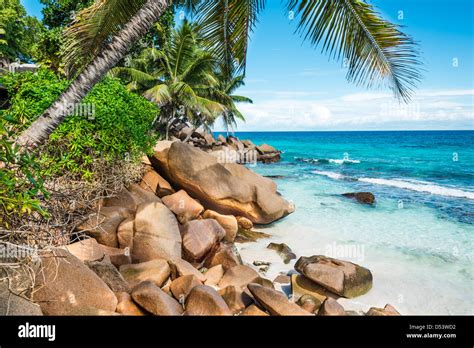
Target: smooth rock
86,250
126,306
244,223
253,310
64,284
226,255
204,300
199,237
156,271
182,286
236,299
125,233
183,206
182,267
228,223
156,234
331,307
238,276
213,275
275,302
266,149
117,256
155,301
240,192
341,277
11,304
300,286
309,303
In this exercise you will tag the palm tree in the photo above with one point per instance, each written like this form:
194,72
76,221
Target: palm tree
374,50
176,78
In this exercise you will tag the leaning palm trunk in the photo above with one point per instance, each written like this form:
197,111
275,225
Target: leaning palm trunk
110,55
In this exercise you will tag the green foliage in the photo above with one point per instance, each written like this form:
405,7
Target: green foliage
20,183
59,13
18,32
117,126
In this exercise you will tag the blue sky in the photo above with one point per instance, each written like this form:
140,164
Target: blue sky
295,87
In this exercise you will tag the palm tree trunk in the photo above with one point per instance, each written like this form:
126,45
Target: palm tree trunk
110,55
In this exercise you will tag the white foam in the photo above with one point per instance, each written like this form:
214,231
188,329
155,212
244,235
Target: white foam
342,161
331,175
414,185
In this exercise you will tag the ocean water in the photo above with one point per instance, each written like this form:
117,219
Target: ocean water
418,240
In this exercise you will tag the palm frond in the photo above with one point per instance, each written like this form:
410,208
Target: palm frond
375,51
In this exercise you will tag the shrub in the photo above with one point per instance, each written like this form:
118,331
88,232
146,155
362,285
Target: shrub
117,125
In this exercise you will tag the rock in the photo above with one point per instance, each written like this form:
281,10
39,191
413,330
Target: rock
125,233
117,256
142,196
275,302
86,250
361,197
236,299
388,310
238,276
214,275
228,223
199,237
282,279
12,304
126,306
283,250
156,234
155,301
182,286
181,267
185,208
261,263
64,283
266,149
240,192
209,139
249,236
155,183
109,274
244,223
309,303
248,144
103,225
331,307
123,199
222,139
253,310
264,282
300,286
269,158
156,271
226,255
204,300
235,143
341,277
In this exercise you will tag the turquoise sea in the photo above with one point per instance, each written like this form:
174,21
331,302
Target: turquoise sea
418,240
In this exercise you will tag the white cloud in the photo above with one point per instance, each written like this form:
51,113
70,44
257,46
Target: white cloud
285,110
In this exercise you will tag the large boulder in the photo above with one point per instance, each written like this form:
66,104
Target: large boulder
13,304
228,223
86,250
226,255
64,284
109,274
275,302
182,286
156,234
341,277
126,306
199,237
155,300
239,276
180,267
204,300
213,275
236,298
266,149
331,307
183,206
229,188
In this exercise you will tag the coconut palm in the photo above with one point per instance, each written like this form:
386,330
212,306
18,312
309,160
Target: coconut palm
374,50
176,78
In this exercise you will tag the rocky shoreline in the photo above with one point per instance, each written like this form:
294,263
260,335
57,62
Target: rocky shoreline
166,246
